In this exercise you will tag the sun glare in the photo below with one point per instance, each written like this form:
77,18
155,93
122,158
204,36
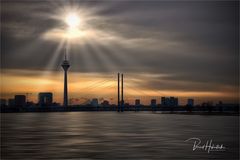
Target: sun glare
72,20
74,26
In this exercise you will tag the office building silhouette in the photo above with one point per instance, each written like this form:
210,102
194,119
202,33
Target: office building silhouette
45,98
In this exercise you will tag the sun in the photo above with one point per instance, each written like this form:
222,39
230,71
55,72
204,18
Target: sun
74,23
72,20
73,26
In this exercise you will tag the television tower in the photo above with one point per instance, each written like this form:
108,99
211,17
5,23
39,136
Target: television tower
65,66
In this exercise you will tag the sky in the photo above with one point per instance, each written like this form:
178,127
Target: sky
187,49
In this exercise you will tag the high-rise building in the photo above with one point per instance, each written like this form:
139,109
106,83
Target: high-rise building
20,100
45,98
94,102
65,66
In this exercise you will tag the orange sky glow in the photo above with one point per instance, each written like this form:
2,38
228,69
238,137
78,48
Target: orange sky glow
82,86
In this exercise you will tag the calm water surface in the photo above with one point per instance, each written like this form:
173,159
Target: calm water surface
111,135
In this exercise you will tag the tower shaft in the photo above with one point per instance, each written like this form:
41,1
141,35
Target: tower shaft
122,100
65,99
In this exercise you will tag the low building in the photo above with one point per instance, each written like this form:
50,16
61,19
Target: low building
20,100
94,102
11,102
169,101
153,103
190,102
3,102
105,103
137,102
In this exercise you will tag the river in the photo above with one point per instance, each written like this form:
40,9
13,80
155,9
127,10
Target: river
112,135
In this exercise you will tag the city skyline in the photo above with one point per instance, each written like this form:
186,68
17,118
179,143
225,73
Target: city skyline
145,100
180,49
45,99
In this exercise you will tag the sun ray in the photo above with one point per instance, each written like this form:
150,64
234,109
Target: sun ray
108,61
98,59
55,55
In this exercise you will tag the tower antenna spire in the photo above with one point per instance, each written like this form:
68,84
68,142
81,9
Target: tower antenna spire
65,54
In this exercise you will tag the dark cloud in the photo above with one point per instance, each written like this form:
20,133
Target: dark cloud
195,41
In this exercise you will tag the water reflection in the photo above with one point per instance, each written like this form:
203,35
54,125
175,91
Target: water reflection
111,135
